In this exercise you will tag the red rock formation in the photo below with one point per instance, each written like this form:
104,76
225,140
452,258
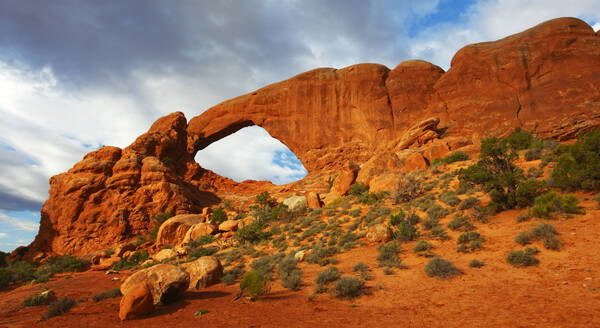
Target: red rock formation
544,79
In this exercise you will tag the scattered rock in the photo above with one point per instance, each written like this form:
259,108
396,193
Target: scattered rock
313,200
204,272
300,255
166,282
379,233
342,183
172,231
111,272
295,203
229,225
164,254
198,230
136,303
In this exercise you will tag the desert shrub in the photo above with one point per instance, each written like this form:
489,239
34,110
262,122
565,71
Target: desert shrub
15,272
203,240
255,284
37,299
527,191
457,156
263,265
523,258
468,203
403,228
319,254
355,212
520,139
348,288
523,238
597,199
533,154
476,264
58,307
578,165
441,268
497,174
436,212
449,197
289,273
430,223
363,269
460,222
111,293
422,246
252,233
157,221
523,217
132,261
388,255
439,233
547,234
469,241
397,218
357,189
230,276
409,188
551,202
331,274
534,172
62,263
218,216
370,198
347,241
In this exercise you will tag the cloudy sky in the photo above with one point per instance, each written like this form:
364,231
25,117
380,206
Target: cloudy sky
75,75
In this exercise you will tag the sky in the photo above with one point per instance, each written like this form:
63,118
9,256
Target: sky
76,75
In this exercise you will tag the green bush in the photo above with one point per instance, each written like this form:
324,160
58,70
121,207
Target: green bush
441,268
348,288
63,263
468,203
551,202
578,165
520,139
409,188
111,293
363,269
255,284
449,197
320,254
203,240
331,274
457,156
132,261
289,273
252,233
523,238
476,264
218,216
403,228
460,222
230,276
357,189
436,212
469,241
40,298
523,258
355,212
388,255
58,307
533,154
422,246
547,234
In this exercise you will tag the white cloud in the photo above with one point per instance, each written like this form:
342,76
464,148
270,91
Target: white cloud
250,153
20,225
491,20
3,235
596,27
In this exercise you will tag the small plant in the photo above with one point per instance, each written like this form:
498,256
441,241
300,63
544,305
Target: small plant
230,276
289,273
551,202
354,212
388,271
436,212
348,288
523,238
457,156
423,248
203,240
547,234
40,298
218,216
523,258
449,197
252,233
523,217
58,307
388,255
460,222
331,274
533,154
363,269
441,268
476,264
469,242
439,233
358,189
409,188
111,293
468,203
255,284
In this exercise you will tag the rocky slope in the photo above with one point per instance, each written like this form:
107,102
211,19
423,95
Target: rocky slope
544,79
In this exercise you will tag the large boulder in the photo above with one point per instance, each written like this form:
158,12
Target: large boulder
229,225
295,203
313,200
379,233
137,303
199,230
172,231
164,254
166,282
345,179
204,272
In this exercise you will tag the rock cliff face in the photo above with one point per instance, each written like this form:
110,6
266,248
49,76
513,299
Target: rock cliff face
545,79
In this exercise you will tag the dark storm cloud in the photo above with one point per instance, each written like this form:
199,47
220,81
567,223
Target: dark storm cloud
12,202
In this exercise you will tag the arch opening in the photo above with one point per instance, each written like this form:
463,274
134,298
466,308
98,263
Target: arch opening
251,153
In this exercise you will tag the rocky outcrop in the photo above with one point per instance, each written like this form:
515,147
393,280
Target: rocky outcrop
166,282
204,272
544,79
173,231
